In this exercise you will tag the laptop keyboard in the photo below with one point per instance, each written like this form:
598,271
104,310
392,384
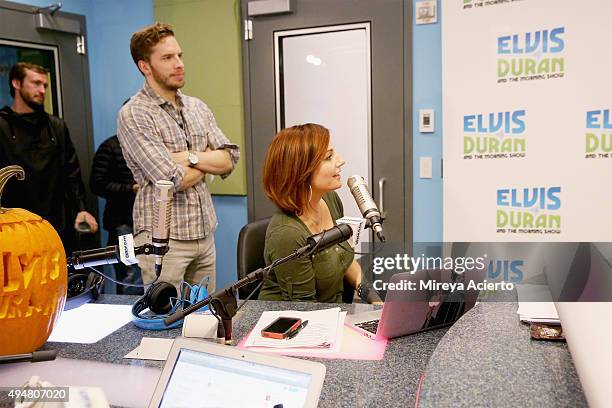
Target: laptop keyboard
370,325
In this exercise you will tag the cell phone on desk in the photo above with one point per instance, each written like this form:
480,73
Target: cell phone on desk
281,327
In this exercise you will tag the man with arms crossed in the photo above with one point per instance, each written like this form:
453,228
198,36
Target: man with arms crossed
166,135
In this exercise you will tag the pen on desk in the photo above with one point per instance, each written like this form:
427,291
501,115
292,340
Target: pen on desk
297,330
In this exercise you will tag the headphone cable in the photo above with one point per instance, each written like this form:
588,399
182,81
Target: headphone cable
133,285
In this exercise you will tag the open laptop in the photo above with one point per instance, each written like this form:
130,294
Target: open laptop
199,373
411,311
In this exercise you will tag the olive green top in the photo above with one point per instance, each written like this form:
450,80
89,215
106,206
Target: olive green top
316,279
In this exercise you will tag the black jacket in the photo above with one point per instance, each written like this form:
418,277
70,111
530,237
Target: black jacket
112,179
53,189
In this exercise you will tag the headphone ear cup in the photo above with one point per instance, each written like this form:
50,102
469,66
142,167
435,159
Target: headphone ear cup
77,284
158,297
79,290
157,300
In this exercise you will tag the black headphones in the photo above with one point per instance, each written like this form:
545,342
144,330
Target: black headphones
86,287
83,288
162,300
158,299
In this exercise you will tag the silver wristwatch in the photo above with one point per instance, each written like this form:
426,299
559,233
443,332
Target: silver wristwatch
193,159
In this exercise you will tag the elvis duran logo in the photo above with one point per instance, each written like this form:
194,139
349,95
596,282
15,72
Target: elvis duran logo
529,210
496,135
468,4
503,270
507,270
598,137
531,56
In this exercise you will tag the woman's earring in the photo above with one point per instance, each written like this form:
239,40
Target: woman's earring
309,193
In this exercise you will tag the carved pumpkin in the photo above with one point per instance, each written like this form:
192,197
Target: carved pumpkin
33,278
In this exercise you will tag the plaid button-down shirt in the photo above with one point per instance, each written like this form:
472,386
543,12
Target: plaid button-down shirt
149,129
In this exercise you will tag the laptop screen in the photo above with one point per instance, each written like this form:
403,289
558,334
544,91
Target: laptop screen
203,379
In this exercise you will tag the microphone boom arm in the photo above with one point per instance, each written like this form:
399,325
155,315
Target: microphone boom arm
224,300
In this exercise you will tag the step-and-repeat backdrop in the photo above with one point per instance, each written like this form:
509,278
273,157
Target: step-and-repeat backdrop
527,95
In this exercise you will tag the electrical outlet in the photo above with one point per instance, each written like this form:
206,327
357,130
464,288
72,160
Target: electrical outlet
425,167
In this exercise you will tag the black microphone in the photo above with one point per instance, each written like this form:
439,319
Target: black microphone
34,357
162,210
103,256
327,238
366,204
94,257
314,244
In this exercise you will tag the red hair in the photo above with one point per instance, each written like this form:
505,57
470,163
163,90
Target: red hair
293,156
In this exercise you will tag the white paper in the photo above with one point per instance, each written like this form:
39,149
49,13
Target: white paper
320,332
538,312
543,311
316,351
90,323
151,348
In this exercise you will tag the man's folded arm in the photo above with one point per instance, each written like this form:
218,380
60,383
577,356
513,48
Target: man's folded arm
144,150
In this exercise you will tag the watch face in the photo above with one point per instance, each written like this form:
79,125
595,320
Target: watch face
193,158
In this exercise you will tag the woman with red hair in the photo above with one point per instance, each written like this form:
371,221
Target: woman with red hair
300,174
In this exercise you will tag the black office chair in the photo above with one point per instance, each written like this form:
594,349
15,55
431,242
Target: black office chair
251,242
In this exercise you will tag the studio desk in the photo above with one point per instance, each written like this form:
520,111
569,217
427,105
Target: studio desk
486,359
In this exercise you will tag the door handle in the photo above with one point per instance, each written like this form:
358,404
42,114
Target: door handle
381,196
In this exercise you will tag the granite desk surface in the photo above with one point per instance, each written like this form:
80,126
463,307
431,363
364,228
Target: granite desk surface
486,359
391,382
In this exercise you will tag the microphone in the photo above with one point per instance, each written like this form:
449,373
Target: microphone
327,238
124,252
366,204
162,209
94,257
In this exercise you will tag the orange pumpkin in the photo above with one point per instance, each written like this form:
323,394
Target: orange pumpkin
34,278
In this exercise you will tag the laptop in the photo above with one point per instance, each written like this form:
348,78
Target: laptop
199,373
411,311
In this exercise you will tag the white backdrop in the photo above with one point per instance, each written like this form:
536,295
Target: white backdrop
517,165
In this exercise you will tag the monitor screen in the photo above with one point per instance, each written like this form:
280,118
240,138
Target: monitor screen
201,379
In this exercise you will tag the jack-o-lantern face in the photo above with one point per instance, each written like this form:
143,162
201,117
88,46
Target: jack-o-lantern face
33,278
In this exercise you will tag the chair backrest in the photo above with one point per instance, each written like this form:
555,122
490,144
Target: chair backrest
251,243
